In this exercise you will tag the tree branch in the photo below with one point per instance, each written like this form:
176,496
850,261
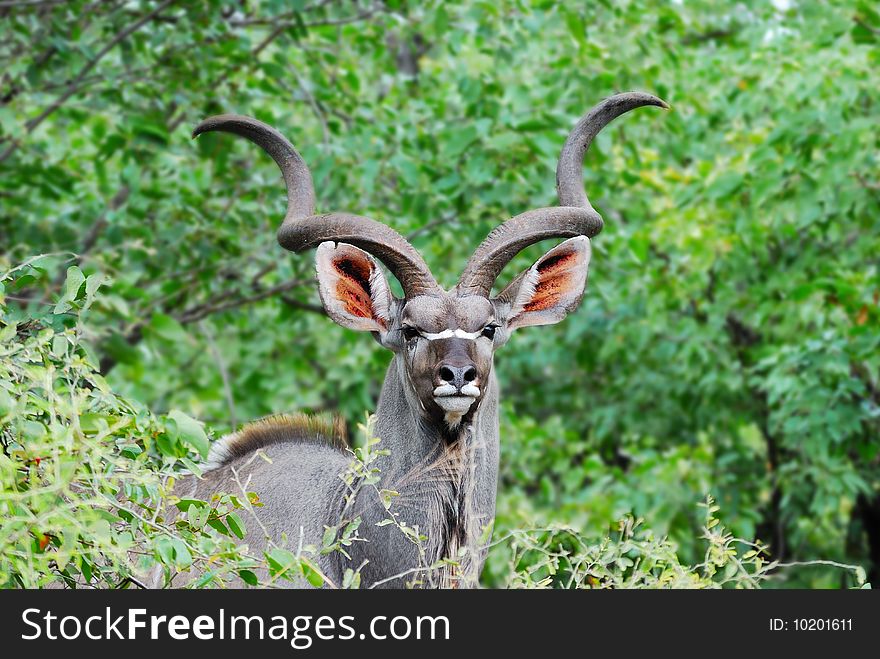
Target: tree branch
302,306
211,308
443,219
869,28
711,35
73,87
219,303
874,186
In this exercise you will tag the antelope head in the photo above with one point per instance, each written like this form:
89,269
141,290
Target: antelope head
444,340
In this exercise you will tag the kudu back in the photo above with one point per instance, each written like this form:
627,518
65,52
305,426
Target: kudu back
437,415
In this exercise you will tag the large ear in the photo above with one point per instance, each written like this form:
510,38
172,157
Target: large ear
353,289
545,293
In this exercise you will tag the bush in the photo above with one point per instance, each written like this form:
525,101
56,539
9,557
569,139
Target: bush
86,473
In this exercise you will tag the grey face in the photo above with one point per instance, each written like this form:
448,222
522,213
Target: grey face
446,344
445,341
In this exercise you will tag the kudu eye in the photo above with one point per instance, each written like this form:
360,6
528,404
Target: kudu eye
489,331
410,333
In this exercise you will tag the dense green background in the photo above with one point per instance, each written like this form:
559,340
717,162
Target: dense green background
727,345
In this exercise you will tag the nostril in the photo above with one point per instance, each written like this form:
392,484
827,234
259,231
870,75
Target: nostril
470,375
446,374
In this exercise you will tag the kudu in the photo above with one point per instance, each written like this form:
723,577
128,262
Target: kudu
438,410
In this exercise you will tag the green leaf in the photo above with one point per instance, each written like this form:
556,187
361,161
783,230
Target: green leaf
8,332
190,431
192,514
218,526
6,402
249,577
117,347
192,466
575,25
93,283
281,561
59,345
235,524
168,328
351,579
725,185
205,579
456,140
311,574
184,504
182,556
164,550
72,284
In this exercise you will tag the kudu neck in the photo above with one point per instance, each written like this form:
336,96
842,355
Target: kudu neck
408,433
446,482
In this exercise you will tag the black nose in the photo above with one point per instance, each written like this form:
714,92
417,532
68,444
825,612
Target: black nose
457,376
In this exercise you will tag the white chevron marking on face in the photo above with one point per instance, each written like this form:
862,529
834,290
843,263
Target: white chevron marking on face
448,334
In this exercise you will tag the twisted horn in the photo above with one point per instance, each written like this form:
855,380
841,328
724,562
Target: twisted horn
573,217
302,229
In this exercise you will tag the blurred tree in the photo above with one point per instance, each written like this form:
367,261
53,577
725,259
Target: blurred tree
728,342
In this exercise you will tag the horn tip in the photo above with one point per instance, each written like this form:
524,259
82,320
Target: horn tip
230,123
648,99
204,126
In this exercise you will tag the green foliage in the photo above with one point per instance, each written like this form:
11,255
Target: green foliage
634,558
86,475
728,342
83,470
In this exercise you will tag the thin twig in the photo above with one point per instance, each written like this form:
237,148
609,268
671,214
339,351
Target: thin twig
865,183
325,130
869,28
131,579
443,219
302,306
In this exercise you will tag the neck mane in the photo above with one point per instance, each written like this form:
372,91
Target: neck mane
446,478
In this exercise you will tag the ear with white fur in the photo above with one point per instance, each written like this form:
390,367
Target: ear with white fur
552,288
353,289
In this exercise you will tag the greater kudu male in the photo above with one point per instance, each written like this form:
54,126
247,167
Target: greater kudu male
438,410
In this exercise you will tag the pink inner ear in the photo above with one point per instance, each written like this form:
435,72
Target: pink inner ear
353,287
554,282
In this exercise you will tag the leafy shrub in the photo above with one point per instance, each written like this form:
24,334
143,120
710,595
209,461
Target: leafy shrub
86,474
635,558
